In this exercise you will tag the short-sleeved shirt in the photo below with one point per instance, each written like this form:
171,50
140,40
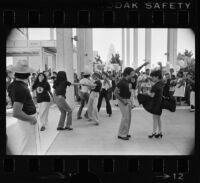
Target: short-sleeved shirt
42,91
85,81
124,91
19,92
60,89
98,86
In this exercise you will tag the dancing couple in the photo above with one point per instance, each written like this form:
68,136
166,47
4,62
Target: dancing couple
123,94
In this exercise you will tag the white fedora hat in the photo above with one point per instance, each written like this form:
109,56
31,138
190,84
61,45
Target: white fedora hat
87,71
22,67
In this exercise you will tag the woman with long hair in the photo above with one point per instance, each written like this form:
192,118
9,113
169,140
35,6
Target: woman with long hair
60,85
43,95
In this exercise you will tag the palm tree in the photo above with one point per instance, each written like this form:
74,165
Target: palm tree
98,59
115,59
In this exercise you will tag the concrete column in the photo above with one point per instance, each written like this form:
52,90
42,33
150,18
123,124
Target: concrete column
128,47
53,62
89,49
84,50
172,46
135,48
65,59
123,48
148,47
51,34
80,50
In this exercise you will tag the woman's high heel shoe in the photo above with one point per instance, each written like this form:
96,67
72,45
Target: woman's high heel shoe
159,135
152,135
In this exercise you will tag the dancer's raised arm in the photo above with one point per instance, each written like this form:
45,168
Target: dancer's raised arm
140,67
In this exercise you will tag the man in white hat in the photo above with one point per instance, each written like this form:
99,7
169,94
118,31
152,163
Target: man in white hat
24,142
84,93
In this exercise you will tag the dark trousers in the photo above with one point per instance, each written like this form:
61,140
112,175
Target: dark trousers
104,94
84,100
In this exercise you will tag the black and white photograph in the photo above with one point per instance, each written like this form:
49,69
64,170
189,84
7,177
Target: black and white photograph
100,91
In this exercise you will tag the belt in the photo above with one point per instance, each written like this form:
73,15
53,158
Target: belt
59,96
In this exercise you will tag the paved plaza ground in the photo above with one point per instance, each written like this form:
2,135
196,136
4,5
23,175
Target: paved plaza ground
88,139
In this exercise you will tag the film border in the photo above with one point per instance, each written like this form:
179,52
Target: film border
170,167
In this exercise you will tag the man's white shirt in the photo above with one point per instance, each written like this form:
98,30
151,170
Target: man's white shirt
86,81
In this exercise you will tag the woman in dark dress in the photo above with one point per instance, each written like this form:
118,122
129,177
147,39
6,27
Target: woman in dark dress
152,102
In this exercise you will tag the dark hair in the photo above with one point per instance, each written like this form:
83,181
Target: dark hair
22,75
173,76
180,73
104,73
54,72
86,76
157,73
96,75
127,71
61,76
37,78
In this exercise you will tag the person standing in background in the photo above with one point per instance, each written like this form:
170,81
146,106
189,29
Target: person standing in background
172,86
191,81
76,80
113,86
179,88
54,76
104,94
167,85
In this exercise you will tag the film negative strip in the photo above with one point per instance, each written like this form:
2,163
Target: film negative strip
98,14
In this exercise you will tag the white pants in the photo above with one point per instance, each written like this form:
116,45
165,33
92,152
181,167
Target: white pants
92,107
43,113
22,139
192,98
133,97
